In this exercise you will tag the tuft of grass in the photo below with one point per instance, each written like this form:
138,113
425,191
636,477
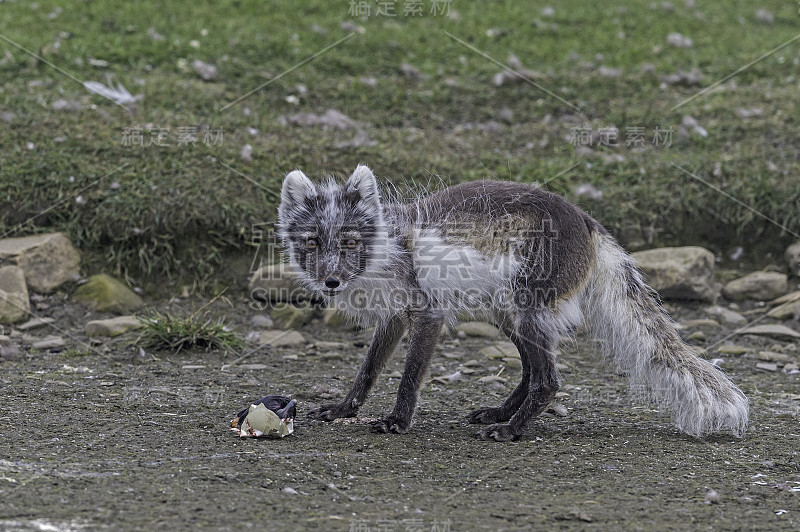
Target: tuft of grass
166,331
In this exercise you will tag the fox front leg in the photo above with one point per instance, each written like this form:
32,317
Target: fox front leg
384,342
423,335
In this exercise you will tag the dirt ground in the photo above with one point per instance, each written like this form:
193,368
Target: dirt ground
125,439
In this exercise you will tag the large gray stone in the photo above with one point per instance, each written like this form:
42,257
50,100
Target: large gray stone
104,293
679,273
14,302
48,260
277,283
757,285
793,258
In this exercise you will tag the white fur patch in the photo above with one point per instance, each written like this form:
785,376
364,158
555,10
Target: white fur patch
458,278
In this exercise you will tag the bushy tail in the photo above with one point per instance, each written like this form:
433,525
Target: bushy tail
621,310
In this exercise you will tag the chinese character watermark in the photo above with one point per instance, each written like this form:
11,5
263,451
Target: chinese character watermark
395,8
150,135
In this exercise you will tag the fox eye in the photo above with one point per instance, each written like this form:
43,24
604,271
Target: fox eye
351,243
311,243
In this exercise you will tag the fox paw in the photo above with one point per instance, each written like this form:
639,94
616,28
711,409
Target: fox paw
487,416
498,432
331,412
391,424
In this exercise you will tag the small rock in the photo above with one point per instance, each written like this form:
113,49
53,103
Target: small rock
698,335
772,356
278,338
7,117
35,323
791,368
717,362
770,330
767,366
395,375
9,353
500,350
786,311
5,341
559,410
66,105
106,294
727,315
112,327
478,328
261,321
749,113
50,343
729,349
290,491
14,302
206,71
247,153
679,41
764,16
410,71
291,317
448,379
761,286
679,273
712,497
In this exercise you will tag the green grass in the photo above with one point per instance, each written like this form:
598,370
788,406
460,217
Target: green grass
177,211
175,333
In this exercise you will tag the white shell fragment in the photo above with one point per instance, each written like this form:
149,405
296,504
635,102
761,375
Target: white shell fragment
263,422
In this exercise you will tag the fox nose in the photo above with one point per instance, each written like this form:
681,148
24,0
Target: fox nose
331,282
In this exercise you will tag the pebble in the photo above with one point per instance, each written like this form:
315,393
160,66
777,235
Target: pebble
35,323
730,349
206,71
767,366
478,328
770,330
261,321
49,343
500,350
772,356
9,353
290,491
559,410
727,315
712,497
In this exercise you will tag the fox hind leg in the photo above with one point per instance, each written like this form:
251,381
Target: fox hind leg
535,336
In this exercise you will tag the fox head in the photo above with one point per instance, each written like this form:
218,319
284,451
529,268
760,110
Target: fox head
331,232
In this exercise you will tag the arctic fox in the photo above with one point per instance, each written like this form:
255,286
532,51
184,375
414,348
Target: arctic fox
526,259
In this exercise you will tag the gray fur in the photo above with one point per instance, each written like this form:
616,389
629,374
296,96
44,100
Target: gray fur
524,258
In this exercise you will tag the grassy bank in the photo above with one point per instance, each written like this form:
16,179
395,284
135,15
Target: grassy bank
427,109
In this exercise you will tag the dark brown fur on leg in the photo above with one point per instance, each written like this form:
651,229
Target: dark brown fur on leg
535,338
384,342
423,335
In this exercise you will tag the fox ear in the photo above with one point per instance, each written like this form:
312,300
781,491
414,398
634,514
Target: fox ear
363,181
296,188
